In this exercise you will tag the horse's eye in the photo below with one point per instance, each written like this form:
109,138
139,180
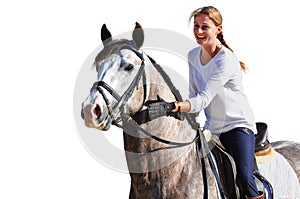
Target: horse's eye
128,67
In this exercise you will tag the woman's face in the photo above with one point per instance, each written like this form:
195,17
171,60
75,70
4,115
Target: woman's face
205,30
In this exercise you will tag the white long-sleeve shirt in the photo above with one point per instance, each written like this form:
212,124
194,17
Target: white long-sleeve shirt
217,89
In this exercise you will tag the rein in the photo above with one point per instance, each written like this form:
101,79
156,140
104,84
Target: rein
117,115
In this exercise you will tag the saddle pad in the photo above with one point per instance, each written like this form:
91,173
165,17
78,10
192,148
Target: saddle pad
281,176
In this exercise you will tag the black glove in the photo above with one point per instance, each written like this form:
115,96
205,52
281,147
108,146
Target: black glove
158,108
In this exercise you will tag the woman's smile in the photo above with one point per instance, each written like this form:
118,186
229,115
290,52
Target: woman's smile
200,38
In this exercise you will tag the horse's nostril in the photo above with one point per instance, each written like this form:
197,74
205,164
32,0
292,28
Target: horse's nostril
97,111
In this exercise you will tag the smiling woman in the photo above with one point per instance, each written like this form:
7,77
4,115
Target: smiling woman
216,87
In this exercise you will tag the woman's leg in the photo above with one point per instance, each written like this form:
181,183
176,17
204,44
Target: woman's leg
240,143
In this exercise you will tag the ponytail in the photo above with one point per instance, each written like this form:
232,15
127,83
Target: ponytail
220,37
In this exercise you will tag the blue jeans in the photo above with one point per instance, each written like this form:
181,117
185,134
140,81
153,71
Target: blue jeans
240,143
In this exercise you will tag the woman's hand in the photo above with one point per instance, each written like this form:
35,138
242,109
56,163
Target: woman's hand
158,108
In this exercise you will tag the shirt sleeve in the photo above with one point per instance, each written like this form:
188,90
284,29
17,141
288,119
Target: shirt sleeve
220,75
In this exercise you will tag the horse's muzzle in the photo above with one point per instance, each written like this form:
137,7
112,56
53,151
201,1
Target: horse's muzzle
96,117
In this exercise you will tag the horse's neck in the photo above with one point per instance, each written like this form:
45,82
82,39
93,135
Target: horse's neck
141,147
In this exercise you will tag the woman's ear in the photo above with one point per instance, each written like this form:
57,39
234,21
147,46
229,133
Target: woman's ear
219,29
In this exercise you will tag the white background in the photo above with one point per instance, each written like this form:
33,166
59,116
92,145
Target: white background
43,45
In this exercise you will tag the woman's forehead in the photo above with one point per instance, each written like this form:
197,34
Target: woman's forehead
203,19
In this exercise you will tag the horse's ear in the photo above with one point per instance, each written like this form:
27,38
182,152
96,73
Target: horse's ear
105,35
138,35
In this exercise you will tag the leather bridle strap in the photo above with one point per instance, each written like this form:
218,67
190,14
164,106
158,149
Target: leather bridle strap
109,89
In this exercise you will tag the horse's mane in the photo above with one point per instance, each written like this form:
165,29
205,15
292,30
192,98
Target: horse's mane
167,79
175,91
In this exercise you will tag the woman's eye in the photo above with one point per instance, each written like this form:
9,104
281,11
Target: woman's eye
128,67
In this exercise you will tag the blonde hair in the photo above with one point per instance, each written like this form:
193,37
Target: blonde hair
215,15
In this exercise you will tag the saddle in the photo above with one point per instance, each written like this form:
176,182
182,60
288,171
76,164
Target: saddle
226,165
261,138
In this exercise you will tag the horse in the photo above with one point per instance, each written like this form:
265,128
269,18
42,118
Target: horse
162,153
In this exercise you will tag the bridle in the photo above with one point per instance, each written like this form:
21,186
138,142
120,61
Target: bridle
117,111
118,116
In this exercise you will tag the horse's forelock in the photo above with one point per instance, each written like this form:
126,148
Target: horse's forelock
113,47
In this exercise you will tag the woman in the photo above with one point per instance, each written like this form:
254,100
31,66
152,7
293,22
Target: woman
216,87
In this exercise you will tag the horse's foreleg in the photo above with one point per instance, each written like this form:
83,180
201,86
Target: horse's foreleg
132,193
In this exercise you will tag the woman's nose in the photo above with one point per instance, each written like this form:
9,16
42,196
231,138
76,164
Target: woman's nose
198,30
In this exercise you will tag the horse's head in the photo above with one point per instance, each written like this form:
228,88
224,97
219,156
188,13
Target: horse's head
119,88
